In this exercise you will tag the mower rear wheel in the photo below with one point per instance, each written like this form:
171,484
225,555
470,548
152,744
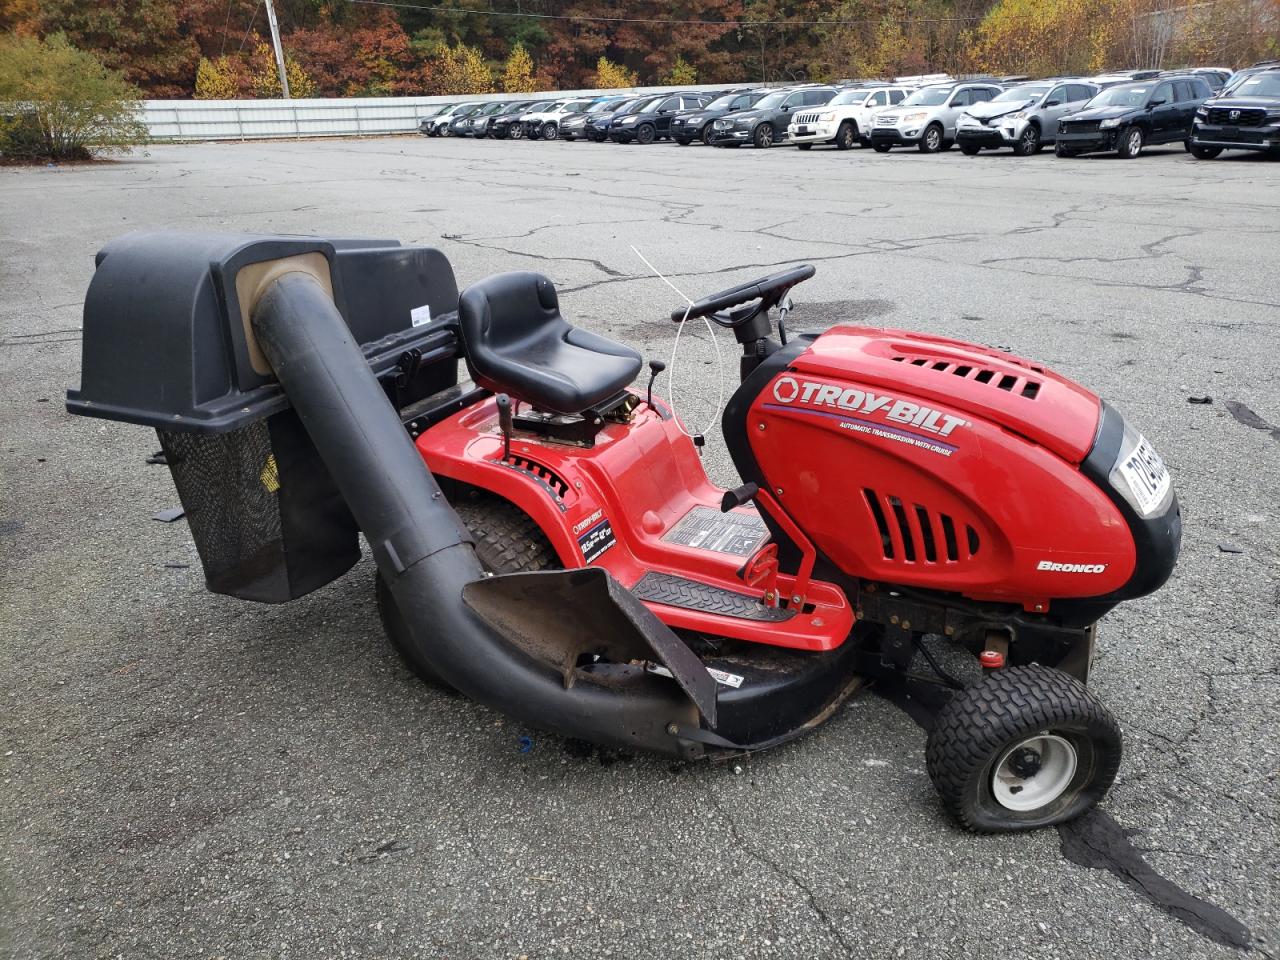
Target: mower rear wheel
1025,747
507,541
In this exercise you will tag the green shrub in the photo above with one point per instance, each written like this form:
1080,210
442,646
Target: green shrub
60,103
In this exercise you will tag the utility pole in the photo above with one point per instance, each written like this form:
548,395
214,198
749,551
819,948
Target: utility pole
275,42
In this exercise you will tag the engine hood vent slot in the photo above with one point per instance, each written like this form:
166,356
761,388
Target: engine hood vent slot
912,533
1019,384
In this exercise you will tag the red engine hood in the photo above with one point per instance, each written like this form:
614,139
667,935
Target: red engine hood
1018,394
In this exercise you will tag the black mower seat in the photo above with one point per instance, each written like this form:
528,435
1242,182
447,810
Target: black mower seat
517,343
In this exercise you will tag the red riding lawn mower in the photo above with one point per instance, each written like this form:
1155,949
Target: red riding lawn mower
548,543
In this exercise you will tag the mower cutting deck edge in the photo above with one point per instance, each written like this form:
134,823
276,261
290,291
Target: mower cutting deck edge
548,543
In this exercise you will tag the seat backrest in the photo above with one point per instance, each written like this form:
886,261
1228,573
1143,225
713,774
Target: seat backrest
516,342
502,310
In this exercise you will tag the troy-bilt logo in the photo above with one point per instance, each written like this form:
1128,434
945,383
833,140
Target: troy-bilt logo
588,521
853,400
1050,567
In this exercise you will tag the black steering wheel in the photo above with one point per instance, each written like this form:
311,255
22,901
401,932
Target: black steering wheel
769,291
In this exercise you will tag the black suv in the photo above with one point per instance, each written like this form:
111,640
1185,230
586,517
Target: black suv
469,125
1127,117
694,125
574,126
509,124
1246,118
653,122
596,127
766,122
599,128
500,119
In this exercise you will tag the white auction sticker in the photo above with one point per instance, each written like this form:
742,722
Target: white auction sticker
719,676
1147,476
420,315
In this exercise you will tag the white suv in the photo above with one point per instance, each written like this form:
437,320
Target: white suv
845,119
928,117
545,124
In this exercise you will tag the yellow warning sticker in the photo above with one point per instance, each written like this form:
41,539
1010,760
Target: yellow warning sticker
270,475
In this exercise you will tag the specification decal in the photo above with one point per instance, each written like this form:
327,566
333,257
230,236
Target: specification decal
595,540
719,676
706,528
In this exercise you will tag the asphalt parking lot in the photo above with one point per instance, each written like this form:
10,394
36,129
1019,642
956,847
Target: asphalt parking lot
186,775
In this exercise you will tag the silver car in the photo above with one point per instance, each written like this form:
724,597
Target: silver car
1024,117
927,118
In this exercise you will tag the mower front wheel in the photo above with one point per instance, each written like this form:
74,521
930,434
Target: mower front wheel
1025,747
506,540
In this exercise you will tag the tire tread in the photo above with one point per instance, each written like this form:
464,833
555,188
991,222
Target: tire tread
1004,707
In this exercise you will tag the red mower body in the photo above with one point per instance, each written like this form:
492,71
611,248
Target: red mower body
638,502
900,458
934,463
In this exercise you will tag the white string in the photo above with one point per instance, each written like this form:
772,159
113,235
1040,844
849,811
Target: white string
675,347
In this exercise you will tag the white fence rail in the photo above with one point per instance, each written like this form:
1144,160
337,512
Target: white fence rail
347,117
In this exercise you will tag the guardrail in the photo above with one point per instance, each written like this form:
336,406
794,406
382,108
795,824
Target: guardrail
346,117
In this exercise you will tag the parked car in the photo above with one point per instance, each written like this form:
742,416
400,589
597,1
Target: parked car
1024,117
1113,77
766,123
429,114
464,124
1131,116
509,125
439,124
482,119
1216,77
654,121
691,125
845,119
544,124
574,126
1247,118
598,129
1245,72
928,117
451,127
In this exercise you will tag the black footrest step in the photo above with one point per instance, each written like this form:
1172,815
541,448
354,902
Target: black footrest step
676,591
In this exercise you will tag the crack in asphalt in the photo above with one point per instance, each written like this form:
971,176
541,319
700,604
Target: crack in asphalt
781,872
541,257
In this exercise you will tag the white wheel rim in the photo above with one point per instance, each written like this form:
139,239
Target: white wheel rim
1056,762
1135,141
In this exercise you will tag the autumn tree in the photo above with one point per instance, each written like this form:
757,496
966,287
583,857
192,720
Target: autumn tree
517,73
220,79
611,76
364,49
64,103
461,70
20,16
681,74
143,39
266,76
1227,31
1043,37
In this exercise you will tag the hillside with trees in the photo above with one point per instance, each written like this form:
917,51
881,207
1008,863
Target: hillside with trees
218,48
